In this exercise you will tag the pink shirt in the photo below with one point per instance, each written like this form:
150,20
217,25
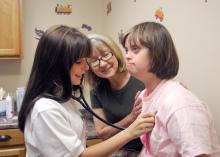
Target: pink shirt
183,124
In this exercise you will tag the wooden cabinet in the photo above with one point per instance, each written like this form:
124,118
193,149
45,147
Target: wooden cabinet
11,29
12,143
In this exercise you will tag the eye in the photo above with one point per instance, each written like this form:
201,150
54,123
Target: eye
92,61
79,61
107,56
135,49
126,50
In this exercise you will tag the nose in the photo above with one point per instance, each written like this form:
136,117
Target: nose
102,63
127,55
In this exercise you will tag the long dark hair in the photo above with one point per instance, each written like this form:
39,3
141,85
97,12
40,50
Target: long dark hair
58,49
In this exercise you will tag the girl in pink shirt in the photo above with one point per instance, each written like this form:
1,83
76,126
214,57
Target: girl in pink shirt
183,123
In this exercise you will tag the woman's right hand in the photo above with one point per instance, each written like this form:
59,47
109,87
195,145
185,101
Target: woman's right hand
143,124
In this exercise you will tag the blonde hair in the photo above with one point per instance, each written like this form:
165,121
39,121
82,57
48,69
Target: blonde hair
97,42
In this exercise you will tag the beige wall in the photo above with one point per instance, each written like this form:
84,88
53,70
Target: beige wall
194,26
41,14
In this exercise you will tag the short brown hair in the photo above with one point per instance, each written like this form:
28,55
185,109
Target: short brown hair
164,60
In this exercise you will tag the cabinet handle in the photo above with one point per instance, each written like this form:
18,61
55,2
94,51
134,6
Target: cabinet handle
4,138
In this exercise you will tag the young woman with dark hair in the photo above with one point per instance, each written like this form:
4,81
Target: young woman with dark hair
48,117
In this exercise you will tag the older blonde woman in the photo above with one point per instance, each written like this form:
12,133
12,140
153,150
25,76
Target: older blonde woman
114,91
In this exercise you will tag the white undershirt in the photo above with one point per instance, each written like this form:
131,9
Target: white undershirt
54,130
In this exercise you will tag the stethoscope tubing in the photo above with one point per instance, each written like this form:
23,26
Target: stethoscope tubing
83,102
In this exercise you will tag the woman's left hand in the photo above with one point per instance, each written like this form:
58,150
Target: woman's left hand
137,106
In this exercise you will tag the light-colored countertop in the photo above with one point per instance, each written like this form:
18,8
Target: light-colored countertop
9,123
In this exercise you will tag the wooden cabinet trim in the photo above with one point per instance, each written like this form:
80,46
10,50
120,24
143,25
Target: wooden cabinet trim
17,137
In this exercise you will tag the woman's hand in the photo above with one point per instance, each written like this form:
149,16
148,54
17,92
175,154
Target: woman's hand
143,124
137,107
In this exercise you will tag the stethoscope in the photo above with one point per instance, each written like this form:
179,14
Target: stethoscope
79,97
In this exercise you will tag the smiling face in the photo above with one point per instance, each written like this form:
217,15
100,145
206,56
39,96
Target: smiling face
77,70
108,66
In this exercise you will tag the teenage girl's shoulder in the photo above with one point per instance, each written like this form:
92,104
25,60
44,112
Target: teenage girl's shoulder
177,95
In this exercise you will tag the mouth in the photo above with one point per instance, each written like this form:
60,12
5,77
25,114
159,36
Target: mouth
129,64
105,70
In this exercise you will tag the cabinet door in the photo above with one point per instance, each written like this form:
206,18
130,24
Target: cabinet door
10,29
12,152
13,145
